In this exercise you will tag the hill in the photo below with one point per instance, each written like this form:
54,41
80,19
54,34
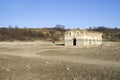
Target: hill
31,34
51,34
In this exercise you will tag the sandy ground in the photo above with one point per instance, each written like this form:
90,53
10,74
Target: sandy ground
30,49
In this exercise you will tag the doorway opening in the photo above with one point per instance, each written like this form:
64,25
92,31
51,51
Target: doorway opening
74,42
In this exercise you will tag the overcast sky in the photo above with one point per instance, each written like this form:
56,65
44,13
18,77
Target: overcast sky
71,13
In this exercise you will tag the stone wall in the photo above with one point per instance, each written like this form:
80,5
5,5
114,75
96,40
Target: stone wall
83,38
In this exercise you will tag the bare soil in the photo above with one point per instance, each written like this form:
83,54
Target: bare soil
46,61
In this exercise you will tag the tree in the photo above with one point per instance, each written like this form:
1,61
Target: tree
59,27
55,35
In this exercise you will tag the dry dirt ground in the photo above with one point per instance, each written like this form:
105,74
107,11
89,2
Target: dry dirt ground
45,61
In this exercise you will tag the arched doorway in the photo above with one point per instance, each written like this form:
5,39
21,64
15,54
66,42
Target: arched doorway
74,41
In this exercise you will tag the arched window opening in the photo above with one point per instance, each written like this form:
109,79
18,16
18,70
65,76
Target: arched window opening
69,34
78,33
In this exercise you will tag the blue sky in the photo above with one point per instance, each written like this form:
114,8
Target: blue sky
71,13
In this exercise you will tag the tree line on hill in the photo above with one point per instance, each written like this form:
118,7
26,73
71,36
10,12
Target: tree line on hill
53,34
31,34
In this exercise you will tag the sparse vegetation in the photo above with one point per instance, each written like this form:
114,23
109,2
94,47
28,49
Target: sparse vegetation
52,34
30,34
111,34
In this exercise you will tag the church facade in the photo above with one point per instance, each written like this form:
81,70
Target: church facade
82,38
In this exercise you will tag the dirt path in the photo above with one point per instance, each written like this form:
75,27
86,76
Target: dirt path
79,60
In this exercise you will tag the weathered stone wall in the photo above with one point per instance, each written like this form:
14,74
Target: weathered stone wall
83,38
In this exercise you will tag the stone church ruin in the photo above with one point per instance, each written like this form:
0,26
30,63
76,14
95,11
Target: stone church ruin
82,38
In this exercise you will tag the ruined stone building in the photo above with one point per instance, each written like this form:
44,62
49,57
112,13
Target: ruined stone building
82,38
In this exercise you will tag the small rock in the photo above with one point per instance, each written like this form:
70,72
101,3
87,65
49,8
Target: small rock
47,62
28,66
7,70
68,68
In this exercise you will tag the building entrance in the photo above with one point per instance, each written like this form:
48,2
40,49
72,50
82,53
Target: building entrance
74,42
